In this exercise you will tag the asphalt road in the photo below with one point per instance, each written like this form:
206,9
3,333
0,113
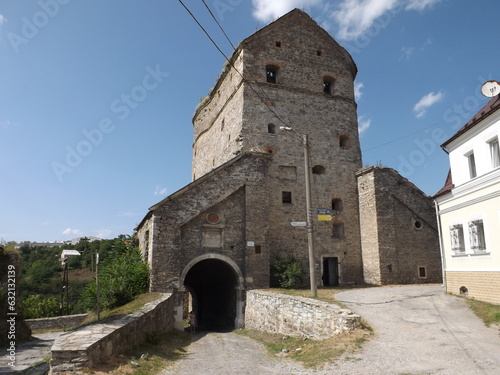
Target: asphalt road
419,330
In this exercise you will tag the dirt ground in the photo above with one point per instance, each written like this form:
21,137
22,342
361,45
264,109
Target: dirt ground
419,330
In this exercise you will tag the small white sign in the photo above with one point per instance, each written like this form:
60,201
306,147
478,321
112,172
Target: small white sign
299,224
250,244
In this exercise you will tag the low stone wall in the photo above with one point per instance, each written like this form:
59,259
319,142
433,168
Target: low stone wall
92,344
297,316
57,322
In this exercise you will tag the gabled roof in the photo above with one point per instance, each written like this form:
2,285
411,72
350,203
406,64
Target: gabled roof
487,110
297,16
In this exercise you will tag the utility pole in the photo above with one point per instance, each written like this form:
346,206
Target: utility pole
310,242
312,273
97,284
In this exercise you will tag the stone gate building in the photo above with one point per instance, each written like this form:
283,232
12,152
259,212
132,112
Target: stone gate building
218,236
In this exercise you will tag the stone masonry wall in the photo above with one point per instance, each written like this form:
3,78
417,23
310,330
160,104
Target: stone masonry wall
235,191
57,322
297,316
404,226
92,344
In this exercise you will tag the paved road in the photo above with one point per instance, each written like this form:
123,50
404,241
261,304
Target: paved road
29,353
419,330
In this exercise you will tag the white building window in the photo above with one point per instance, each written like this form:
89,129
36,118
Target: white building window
476,235
495,153
472,165
457,239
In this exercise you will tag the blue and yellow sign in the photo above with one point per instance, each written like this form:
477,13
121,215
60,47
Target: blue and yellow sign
324,214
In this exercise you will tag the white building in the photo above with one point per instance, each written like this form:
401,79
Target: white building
468,208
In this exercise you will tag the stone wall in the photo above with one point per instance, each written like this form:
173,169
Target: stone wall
92,344
400,241
57,322
297,316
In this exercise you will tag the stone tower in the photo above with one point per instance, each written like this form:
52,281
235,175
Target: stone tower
292,73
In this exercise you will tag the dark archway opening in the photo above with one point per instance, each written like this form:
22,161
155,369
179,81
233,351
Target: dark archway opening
212,284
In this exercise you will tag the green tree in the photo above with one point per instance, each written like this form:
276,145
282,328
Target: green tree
38,307
122,276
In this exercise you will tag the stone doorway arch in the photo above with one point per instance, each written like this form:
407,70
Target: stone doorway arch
215,284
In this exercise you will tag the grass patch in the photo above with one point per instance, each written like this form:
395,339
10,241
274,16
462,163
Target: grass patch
489,313
310,353
159,352
121,311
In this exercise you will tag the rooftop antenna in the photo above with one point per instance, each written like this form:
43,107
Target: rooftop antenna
490,89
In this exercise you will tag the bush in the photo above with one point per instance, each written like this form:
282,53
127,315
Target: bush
288,272
35,307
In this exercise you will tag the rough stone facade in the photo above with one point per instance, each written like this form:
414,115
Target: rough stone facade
217,237
399,232
297,316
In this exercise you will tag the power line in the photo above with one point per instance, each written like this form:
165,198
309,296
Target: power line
278,116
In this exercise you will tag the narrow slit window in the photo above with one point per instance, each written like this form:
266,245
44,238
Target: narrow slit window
286,197
271,128
278,43
344,141
422,272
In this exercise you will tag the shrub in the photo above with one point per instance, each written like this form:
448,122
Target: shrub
288,272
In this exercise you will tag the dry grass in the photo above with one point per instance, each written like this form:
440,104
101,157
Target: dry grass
310,353
121,311
489,313
158,353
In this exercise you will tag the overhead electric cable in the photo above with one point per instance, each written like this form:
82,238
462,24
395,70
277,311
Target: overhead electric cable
279,117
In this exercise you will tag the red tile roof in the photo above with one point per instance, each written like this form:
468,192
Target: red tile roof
484,112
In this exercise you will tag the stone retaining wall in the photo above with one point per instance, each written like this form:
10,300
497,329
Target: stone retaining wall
92,344
297,316
57,322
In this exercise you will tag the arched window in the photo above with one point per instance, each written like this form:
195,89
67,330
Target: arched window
271,73
271,128
318,169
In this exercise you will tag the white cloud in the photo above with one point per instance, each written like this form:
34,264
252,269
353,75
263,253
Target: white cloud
160,191
357,90
363,124
421,4
103,233
427,101
355,16
72,232
266,11
2,19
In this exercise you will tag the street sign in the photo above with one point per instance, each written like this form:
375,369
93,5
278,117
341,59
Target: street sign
325,217
323,211
299,224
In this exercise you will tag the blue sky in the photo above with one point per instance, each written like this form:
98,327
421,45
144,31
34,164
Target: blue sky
96,97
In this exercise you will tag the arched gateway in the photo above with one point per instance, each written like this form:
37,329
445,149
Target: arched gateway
216,286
